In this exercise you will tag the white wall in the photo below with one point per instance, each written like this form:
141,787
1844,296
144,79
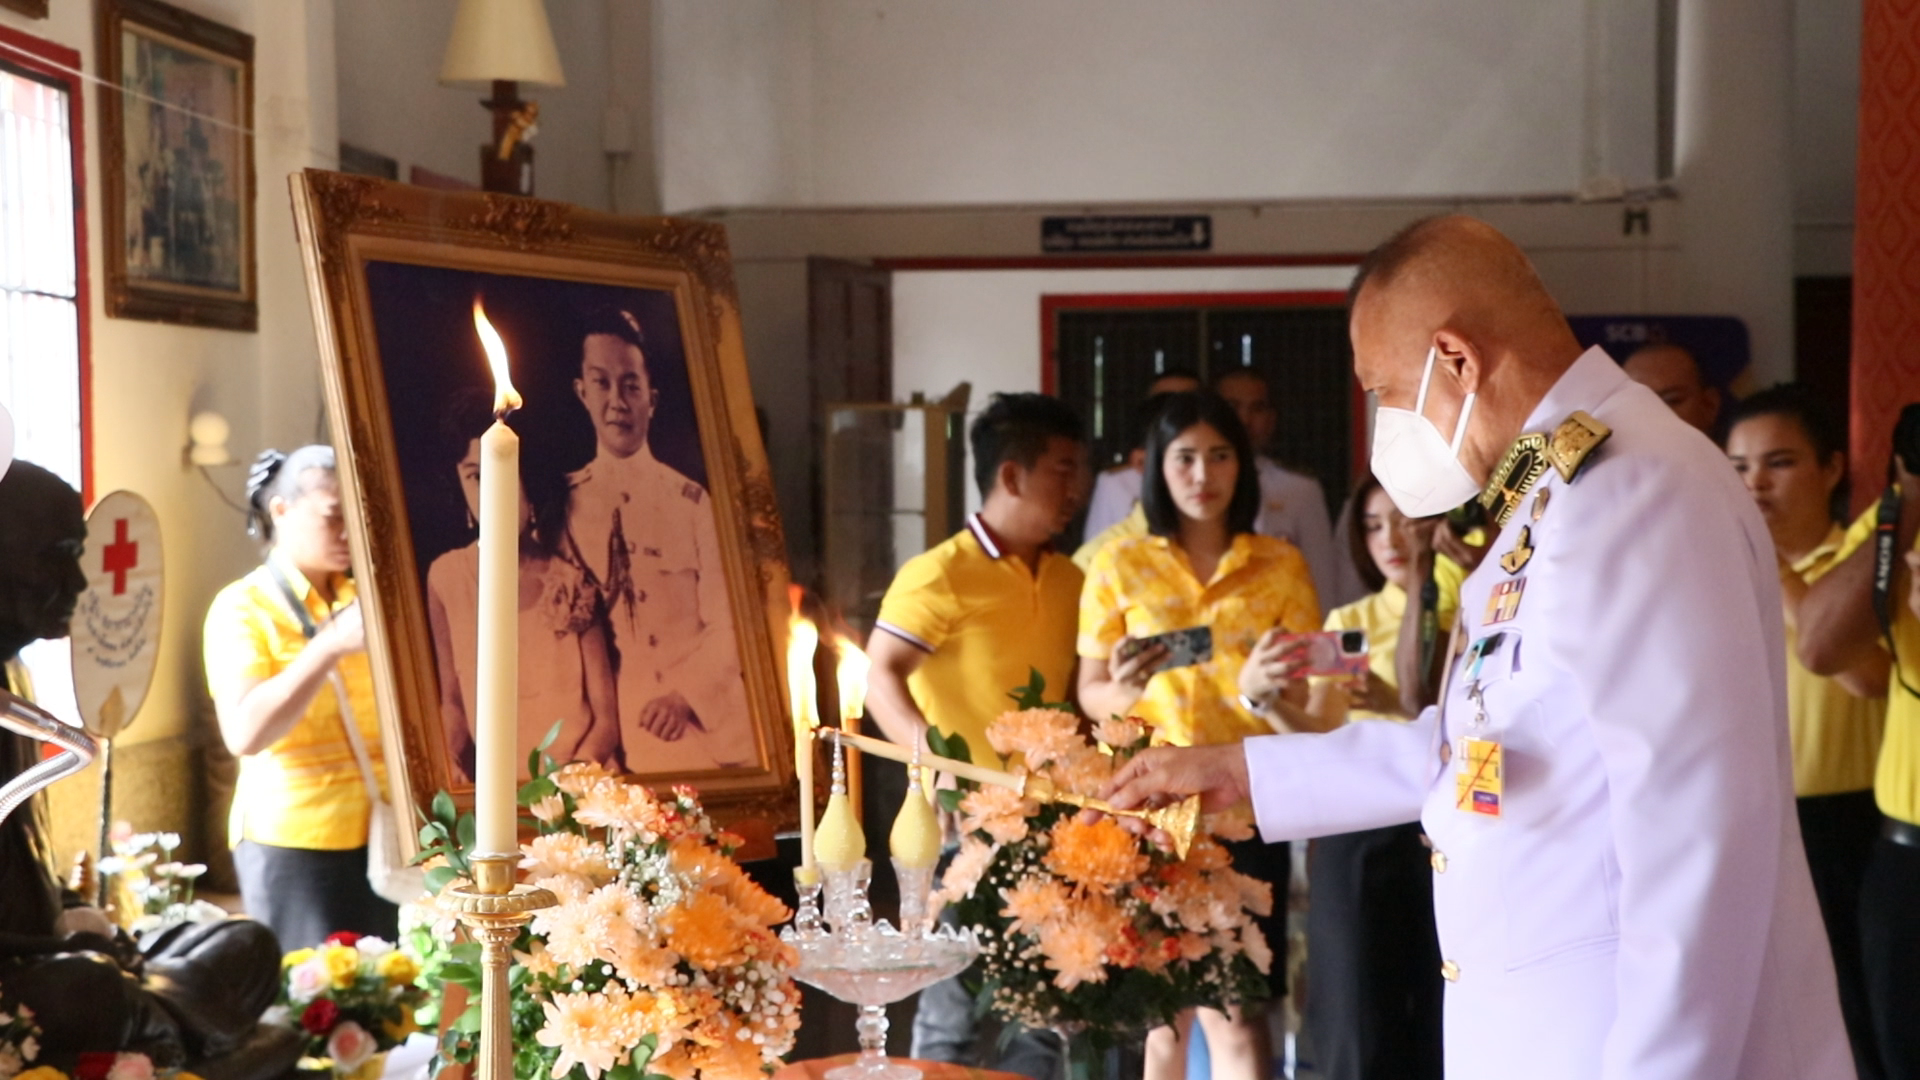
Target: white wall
902,102
1826,133
149,377
391,100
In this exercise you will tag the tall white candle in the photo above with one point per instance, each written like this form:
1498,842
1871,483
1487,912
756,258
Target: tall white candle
802,638
497,683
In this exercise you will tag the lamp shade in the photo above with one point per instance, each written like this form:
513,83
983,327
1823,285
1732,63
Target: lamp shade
501,39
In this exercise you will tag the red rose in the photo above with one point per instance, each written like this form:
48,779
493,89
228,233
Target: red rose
94,1066
344,937
320,1016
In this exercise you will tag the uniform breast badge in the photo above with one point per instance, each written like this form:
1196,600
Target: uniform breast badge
1573,442
1516,560
1478,779
1540,500
1504,602
1525,463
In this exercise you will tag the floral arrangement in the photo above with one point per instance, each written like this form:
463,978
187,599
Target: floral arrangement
153,890
353,996
20,1051
1085,927
19,1042
660,960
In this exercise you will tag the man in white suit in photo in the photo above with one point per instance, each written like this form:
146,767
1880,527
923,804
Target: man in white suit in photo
1619,885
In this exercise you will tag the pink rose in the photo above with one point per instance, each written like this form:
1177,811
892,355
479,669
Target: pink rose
131,1067
349,1046
307,981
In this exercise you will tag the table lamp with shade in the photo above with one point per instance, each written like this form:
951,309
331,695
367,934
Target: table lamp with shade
505,42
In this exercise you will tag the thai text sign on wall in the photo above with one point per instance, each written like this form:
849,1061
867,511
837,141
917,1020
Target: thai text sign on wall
1149,232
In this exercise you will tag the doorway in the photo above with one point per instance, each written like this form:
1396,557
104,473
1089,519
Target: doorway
1102,352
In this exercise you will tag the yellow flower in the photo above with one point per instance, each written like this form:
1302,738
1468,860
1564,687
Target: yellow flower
1099,856
295,958
397,1029
1039,735
565,854
397,967
999,812
578,777
343,964
44,1072
574,934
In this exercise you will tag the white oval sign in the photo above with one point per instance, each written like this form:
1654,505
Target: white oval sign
116,626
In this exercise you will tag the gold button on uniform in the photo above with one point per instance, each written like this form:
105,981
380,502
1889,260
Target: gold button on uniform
1446,752
1439,861
1450,971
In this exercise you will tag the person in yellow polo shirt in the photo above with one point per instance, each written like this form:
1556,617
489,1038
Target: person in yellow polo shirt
300,809
1200,565
966,622
1786,451
1839,628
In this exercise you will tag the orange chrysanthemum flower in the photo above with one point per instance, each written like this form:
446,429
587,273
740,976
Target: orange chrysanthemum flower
1033,902
999,812
702,929
1098,856
1075,952
1038,735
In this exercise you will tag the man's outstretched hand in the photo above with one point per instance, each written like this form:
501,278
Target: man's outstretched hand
1166,774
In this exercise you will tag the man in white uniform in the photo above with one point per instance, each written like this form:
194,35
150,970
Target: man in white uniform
1619,885
645,534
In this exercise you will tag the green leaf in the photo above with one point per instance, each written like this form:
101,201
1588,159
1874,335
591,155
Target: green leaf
439,878
949,799
552,734
432,833
958,750
1034,694
534,790
466,830
443,810
467,975
469,1022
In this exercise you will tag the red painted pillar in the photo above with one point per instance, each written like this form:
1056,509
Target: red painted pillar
1886,243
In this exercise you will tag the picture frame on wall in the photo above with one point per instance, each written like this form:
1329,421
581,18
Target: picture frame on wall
176,147
653,580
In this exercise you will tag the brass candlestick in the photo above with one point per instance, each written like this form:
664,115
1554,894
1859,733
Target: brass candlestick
494,908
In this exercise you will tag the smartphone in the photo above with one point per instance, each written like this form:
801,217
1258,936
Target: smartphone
1190,646
1331,652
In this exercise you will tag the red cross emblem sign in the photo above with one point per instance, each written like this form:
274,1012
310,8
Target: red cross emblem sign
116,624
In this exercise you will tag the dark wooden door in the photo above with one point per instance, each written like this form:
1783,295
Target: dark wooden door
850,359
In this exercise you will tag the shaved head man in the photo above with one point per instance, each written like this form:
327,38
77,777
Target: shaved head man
1672,372
1618,880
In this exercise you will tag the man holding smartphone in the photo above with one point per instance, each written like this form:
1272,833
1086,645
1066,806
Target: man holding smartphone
1619,884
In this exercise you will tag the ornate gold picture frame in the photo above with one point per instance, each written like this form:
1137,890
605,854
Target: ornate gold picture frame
653,569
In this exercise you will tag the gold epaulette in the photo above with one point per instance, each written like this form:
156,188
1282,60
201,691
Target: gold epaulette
1573,442
1526,461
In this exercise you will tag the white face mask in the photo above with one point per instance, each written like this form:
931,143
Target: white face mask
1416,466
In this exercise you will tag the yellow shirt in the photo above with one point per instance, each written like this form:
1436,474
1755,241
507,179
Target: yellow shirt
1836,736
305,790
1896,779
1144,585
1134,524
1380,615
986,622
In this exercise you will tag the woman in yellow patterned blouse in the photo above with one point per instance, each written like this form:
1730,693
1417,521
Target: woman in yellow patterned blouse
274,641
1201,564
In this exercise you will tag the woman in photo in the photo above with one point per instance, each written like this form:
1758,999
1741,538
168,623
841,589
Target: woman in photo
566,665
1201,565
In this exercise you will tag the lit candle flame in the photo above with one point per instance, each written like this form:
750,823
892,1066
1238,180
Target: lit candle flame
851,675
505,397
803,637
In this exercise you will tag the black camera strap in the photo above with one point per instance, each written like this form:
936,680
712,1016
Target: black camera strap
1886,536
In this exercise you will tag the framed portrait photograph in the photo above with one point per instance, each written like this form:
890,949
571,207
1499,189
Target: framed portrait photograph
177,166
653,582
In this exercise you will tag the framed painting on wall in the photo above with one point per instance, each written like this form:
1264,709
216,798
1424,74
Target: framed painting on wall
176,149
653,580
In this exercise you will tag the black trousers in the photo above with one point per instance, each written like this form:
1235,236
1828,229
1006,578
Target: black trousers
1839,832
1890,948
1373,997
304,895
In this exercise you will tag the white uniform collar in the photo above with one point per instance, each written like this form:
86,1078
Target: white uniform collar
639,463
1592,379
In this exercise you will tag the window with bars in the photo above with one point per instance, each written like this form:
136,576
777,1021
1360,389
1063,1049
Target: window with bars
39,271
